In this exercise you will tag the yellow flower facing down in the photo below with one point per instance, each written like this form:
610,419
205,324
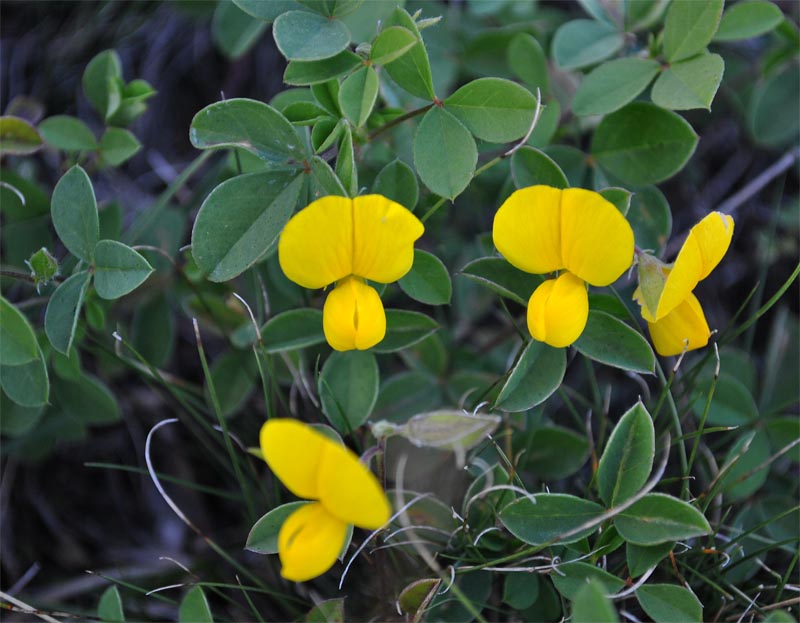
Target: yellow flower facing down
347,242
541,229
673,314
314,467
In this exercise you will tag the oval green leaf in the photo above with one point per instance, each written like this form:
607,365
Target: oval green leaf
87,399
411,71
67,133
575,575
391,43
501,277
235,31
689,84
118,145
665,603
530,167
101,80
444,153
613,84
537,374
18,137
27,384
305,36
583,42
628,457
18,343
302,73
74,213
194,608
250,125
241,218
610,341
404,329
293,329
348,388
545,517
263,536
745,20
109,608
428,280
398,182
591,604
643,143
659,518
357,95
494,109
63,311
266,11
689,27
118,269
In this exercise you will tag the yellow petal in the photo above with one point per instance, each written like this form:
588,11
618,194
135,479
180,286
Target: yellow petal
293,452
353,316
684,328
706,245
350,491
383,238
309,542
558,310
316,246
527,229
596,239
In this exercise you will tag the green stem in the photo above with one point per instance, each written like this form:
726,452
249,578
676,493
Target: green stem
399,120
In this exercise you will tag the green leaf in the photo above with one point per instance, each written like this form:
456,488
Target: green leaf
18,343
732,404
18,137
348,388
263,536
642,558
391,43
346,169
493,109
770,120
610,341
325,133
444,153
194,608
576,575
545,517
100,82
241,219
323,180
18,420
109,608
692,83
583,42
304,36
301,73
745,20
67,133
537,374
134,102
293,329
628,457
689,27
643,143
404,329
555,452
304,113
398,182
643,13
659,518
428,280
666,603
64,309
527,60
43,266
332,8
357,95
412,71
250,125
613,84
520,590
591,605
620,197
650,218
118,145
233,375
153,330
87,399
572,161
327,96
118,269
328,611
266,11
74,213
27,384
234,30
501,277
530,167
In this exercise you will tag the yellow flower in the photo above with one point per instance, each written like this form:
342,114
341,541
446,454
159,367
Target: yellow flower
314,467
673,314
348,241
540,229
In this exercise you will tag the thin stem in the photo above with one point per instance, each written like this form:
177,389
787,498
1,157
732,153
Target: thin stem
399,120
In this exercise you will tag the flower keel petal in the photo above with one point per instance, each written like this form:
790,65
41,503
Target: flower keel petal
353,316
558,310
309,542
684,328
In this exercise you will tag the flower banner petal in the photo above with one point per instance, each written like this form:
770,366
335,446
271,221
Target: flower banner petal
316,246
684,328
596,239
558,310
353,316
706,245
309,542
293,452
383,238
350,491
527,229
